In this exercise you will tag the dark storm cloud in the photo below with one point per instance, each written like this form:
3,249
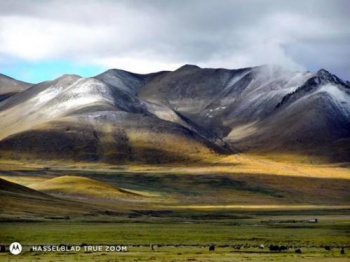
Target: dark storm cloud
153,35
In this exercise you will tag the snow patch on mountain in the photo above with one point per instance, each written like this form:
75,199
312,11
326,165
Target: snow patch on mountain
235,79
51,92
339,97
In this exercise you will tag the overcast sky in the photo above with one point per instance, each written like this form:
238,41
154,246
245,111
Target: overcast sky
41,40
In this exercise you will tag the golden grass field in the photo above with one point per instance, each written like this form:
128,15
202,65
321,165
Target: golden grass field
230,181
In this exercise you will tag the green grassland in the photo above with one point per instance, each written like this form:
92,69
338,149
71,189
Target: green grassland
235,232
185,241
182,254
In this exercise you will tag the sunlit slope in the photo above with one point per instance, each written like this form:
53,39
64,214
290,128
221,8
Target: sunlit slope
234,180
89,120
71,186
139,139
17,200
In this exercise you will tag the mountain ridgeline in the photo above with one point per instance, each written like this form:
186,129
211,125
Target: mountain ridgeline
185,115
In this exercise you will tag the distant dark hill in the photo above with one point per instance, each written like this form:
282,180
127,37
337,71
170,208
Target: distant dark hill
10,87
180,116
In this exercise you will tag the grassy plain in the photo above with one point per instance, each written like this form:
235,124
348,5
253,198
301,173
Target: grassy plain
184,241
239,200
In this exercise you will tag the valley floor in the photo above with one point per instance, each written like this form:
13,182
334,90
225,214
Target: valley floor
236,203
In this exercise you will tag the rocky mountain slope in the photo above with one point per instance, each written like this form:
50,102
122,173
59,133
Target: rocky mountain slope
180,116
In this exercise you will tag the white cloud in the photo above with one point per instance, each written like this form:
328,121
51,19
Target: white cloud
36,39
157,35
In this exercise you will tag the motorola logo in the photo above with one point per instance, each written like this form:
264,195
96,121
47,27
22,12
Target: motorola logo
15,248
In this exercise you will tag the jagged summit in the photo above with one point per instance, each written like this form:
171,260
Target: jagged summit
325,76
323,72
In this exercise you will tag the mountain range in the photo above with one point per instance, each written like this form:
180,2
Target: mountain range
184,115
